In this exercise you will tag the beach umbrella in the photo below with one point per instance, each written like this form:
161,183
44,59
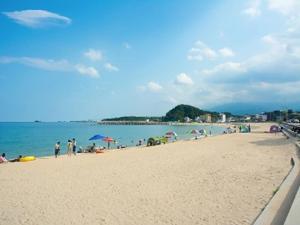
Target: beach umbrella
203,132
171,133
96,137
194,131
108,140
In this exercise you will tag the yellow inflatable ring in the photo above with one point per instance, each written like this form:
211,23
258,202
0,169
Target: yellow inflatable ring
27,158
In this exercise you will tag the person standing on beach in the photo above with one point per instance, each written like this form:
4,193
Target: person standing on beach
69,148
57,149
74,146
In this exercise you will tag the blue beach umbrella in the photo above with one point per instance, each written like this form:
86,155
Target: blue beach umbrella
96,137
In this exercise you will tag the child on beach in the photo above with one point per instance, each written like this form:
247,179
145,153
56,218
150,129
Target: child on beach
3,159
74,146
69,148
57,149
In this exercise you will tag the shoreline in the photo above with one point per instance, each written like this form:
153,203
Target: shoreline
223,125
39,142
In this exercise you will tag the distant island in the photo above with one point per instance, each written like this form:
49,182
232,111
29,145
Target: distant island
187,113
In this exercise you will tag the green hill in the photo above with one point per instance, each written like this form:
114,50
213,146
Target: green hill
181,111
176,114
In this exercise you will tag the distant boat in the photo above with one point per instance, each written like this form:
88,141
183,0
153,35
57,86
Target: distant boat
37,121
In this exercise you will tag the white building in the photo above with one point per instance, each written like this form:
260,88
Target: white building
187,119
223,118
261,117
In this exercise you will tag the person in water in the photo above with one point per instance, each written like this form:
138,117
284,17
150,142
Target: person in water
74,146
57,149
3,159
69,148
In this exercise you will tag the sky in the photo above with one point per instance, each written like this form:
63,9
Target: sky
77,60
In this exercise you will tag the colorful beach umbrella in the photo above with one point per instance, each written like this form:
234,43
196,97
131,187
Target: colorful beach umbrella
108,140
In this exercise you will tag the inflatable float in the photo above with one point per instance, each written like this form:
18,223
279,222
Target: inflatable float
99,151
27,158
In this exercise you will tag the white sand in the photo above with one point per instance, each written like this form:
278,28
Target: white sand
220,180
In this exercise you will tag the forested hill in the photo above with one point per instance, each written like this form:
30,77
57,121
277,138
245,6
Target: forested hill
176,114
181,111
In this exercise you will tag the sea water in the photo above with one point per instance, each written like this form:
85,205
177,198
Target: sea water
17,138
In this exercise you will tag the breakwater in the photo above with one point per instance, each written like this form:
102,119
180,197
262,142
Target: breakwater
140,123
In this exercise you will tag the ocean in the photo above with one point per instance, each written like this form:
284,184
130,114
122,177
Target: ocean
38,139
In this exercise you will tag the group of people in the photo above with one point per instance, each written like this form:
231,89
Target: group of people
3,159
71,147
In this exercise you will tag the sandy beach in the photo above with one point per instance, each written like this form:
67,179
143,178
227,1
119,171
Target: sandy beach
225,179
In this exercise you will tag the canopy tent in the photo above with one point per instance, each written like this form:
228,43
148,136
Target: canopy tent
274,129
203,132
194,131
244,129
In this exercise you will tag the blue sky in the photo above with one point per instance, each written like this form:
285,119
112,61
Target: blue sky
72,60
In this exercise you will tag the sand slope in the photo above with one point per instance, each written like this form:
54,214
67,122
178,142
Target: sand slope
219,180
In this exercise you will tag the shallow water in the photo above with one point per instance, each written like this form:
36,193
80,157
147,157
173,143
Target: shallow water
39,138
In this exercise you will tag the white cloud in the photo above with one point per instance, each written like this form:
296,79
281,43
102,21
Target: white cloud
151,87
254,9
290,9
184,79
37,18
154,87
278,64
45,64
111,67
201,51
269,39
270,75
195,57
286,7
205,50
228,67
226,52
126,45
93,55
87,70
253,12
51,65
